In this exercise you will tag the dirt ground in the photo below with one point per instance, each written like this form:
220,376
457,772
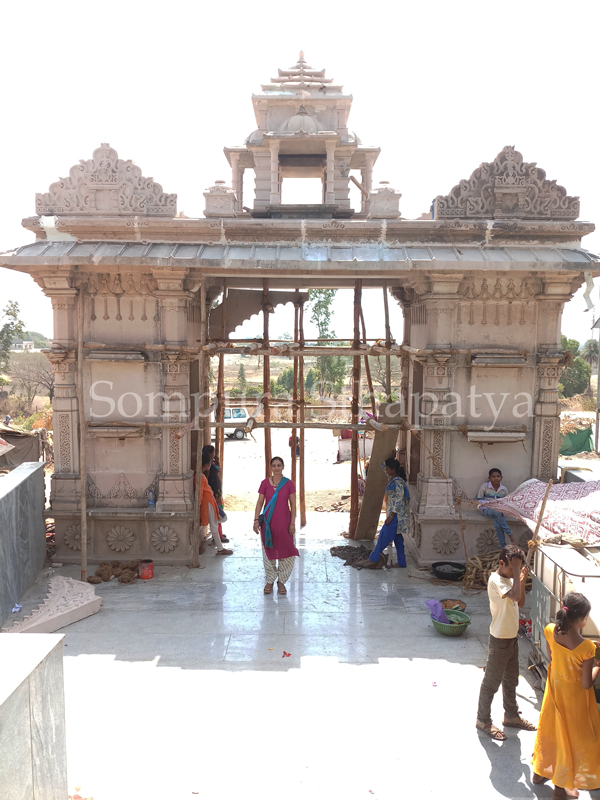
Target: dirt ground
243,469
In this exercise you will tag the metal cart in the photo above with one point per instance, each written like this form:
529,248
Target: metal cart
558,570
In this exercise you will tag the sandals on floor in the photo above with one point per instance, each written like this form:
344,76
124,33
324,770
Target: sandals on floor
281,588
493,732
268,589
521,723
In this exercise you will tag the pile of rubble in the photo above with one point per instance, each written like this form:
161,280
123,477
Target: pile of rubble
124,571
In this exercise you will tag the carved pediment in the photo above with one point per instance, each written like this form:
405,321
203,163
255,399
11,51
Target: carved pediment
107,186
508,188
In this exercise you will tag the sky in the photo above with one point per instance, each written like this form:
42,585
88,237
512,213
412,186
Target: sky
439,86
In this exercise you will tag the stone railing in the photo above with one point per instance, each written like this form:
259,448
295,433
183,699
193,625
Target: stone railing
22,533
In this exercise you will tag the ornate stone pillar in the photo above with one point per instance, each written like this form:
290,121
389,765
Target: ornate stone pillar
368,178
175,481
434,484
240,194
342,179
275,196
557,289
65,481
262,177
330,173
235,179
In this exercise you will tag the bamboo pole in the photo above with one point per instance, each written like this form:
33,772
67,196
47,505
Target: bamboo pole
368,369
266,380
539,522
355,394
295,394
200,439
82,431
388,344
221,390
302,422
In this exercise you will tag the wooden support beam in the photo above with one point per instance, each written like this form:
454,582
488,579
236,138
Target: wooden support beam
266,380
368,369
82,432
355,395
302,422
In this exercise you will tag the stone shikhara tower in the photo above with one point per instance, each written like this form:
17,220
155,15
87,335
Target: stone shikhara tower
482,284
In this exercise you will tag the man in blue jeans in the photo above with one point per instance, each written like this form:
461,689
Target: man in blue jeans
493,489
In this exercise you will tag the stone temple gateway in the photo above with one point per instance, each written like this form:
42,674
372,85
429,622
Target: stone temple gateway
481,284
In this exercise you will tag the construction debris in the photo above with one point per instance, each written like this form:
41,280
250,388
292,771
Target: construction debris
574,424
125,571
50,540
352,556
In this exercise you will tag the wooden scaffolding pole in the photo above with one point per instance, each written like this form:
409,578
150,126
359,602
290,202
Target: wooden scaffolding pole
220,434
355,394
82,432
302,421
368,368
388,344
266,380
202,388
295,395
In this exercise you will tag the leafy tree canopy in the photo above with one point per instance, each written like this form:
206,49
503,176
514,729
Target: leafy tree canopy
589,351
12,328
575,379
569,344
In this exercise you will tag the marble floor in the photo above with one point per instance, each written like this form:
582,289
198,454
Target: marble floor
179,686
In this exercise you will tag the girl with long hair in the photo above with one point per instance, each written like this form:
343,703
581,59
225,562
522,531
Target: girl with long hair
567,745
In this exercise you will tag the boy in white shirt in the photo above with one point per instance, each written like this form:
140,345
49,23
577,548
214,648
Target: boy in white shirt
506,592
493,489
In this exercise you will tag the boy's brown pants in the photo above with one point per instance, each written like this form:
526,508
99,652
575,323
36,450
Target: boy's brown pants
502,667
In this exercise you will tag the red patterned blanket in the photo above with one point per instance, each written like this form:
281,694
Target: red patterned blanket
571,508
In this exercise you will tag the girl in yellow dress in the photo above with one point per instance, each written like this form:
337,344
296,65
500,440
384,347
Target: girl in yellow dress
567,745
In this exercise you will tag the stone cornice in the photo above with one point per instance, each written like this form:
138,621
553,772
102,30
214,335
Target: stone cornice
247,229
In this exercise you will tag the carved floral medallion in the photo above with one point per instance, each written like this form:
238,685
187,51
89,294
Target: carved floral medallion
164,539
487,541
72,537
445,542
119,538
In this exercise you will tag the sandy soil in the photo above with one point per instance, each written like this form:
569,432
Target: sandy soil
244,469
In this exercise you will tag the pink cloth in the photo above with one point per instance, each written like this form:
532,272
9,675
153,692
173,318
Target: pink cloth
571,508
283,543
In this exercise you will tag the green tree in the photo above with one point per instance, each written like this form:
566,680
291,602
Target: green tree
320,302
285,381
309,381
38,339
273,388
12,328
569,344
242,377
575,379
589,353
330,371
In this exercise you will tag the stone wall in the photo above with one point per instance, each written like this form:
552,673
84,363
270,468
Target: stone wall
33,757
22,532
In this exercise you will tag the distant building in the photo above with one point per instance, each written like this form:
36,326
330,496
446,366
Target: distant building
20,347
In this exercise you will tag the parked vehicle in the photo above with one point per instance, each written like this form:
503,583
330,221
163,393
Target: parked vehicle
239,416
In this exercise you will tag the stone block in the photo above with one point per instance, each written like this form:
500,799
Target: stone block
22,532
125,534
33,760
68,601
